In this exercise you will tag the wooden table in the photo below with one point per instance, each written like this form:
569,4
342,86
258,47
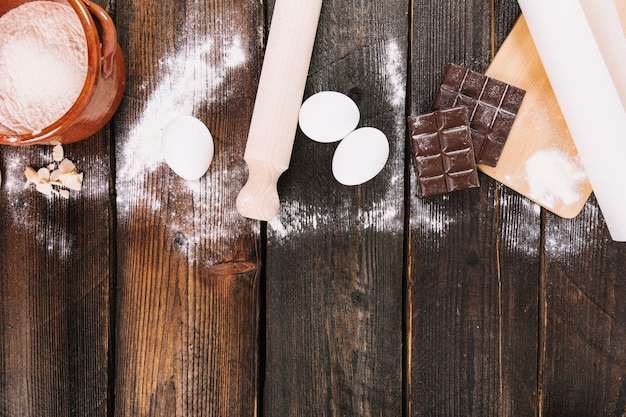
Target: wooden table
144,295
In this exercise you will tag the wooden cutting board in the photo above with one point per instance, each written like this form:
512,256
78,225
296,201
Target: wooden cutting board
539,131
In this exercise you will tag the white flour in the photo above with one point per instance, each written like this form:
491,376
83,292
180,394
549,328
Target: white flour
554,176
563,243
187,81
383,215
43,64
395,69
58,241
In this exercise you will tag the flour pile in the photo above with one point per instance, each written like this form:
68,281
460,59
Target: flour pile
554,176
43,64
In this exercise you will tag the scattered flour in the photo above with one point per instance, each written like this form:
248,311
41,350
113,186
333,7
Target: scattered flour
395,71
395,68
554,177
57,241
187,82
563,243
43,64
425,217
296,219
523,235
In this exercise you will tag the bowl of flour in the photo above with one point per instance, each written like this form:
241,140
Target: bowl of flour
62,73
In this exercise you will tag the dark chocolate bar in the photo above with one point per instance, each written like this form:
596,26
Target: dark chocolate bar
443,151
492,106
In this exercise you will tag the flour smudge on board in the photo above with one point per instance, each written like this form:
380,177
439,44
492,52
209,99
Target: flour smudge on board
382,215
187,81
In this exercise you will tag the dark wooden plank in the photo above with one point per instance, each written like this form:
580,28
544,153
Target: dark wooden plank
473,255
584,353
188,293
519,249
55,276
335,254
55,285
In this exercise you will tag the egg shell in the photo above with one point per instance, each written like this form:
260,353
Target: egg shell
187,147
360,156
328,116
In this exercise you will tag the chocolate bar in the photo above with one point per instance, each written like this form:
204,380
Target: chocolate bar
443,151
492,106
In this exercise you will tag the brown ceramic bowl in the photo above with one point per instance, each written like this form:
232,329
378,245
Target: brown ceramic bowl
104,86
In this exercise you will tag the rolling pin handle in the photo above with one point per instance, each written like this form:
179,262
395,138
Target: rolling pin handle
258,199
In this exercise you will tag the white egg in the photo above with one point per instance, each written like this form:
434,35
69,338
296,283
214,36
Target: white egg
360,156
187,147
328,116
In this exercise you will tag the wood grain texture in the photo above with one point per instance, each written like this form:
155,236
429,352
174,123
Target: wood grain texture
519,248
334,255
472,271
145,295
584,318
188,263
55,283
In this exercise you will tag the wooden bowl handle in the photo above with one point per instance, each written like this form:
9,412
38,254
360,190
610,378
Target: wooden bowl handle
108,37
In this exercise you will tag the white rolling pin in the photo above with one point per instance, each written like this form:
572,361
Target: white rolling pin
604,19
279,97
587,95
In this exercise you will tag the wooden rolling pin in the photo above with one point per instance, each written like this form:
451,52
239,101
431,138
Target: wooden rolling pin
573,46
279,97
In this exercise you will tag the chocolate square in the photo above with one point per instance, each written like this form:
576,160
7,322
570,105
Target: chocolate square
434,185
443,151
492,106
